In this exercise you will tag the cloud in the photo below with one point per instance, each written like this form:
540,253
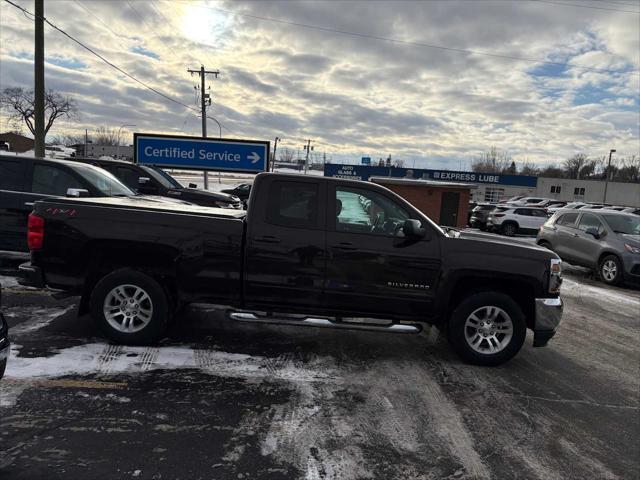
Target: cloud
351,94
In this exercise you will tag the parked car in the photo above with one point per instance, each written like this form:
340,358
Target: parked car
23,180
479,215
4,339
532,201
632,210
510,220
242,191
151,180
287,254
606,241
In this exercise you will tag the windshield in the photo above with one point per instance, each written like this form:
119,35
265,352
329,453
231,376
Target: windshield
628,225
162,177
104,181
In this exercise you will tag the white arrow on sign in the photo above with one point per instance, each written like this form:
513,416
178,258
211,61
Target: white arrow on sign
254,157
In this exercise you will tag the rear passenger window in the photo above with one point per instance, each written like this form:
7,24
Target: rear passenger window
12,174
568,219
50,180
293,204
590,221
523,211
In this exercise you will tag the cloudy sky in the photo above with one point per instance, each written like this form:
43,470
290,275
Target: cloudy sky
400,79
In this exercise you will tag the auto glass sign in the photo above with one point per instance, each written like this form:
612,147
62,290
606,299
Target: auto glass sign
201,153
364,172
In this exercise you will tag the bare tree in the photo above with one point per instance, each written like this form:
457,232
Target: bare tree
67,140
107,136
552,171
286,155
574,165
19,104
528,168
630,170
493,161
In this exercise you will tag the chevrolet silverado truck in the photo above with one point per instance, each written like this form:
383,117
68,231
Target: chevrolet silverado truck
308,251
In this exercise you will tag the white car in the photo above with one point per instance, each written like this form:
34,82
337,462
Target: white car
533,201
510,220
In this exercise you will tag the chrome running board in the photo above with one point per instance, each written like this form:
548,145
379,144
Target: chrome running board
325,323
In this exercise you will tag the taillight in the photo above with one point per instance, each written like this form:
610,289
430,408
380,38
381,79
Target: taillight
555,275
498,214
35,233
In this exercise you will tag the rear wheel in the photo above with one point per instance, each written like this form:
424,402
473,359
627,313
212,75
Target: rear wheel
509,229
3,366
487,328
610,270
130,307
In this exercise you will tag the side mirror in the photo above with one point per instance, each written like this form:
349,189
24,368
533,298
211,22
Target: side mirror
77,192
413,228
593,231
145,185
193,185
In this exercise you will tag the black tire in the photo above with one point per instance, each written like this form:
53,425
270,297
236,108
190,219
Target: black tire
473,303
483,227
509,229
605,270
157,299
3,366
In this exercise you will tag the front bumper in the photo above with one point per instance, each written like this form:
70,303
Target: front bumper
31,276
548,318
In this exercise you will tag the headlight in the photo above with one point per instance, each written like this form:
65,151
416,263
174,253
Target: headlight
555,275
631,248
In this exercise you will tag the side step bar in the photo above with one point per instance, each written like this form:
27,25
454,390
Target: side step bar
325,323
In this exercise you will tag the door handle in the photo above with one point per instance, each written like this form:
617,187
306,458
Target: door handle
345,246
28,204
268,239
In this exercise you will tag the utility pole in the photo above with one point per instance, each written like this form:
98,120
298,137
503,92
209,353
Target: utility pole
86,140
204,99
275,145
606,182
308,148
38,71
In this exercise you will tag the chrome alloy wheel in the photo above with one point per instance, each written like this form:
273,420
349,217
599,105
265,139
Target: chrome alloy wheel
127,308
609,270
488,330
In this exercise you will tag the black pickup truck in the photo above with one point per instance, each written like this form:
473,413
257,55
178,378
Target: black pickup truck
308,251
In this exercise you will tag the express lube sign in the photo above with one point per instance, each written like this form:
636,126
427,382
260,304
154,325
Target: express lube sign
201,153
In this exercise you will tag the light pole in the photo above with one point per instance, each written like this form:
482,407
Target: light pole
219,126
275,146
119,130
606,182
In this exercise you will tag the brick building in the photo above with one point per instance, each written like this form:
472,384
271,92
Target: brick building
17,143
446,203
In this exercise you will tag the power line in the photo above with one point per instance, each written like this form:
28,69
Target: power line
416,44
104,59
584,6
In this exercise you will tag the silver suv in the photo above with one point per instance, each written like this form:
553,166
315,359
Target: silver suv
604,240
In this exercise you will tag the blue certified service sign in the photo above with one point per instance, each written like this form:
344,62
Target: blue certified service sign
201,153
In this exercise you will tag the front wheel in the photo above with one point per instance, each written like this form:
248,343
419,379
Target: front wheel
487,328
611,270
130,307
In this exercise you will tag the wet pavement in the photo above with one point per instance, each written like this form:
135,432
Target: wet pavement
222,400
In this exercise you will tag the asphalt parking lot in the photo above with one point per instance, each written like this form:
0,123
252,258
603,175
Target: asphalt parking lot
221,400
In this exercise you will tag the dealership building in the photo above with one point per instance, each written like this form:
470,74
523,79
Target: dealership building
493,187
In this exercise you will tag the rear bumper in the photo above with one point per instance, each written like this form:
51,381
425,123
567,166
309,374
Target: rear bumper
548,318
31,276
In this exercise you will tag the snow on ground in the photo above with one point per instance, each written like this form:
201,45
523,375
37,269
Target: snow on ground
9,282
